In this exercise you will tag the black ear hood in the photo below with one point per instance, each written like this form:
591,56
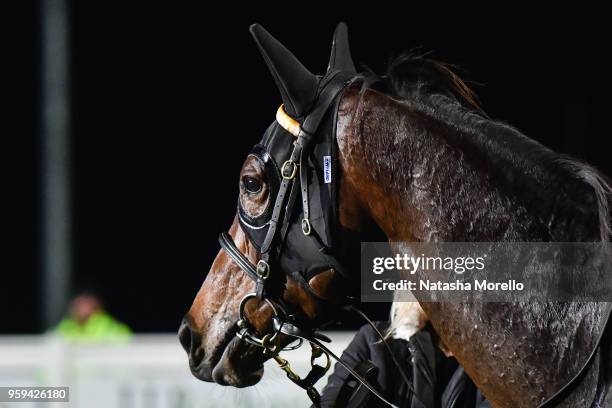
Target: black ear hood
297,85
340,58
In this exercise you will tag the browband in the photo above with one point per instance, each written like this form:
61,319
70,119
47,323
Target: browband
287,122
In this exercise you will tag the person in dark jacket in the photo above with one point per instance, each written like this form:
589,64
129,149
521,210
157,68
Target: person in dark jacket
438,380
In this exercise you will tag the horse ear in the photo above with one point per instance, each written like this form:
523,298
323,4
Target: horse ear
297,85
340,58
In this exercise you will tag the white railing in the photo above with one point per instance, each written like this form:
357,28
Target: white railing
149,372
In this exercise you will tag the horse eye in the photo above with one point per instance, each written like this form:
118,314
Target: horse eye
251,184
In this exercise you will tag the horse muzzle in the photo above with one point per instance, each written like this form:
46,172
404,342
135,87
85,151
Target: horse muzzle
232,363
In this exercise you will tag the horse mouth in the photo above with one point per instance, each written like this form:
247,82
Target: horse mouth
238,364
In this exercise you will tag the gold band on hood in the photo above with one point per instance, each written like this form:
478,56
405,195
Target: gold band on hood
287,122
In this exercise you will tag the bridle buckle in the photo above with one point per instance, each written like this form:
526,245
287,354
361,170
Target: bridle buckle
289,169
306,228
263,269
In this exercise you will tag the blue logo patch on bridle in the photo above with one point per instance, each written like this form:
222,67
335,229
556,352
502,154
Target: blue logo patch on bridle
327,173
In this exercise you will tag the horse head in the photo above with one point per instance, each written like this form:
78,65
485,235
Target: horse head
280,257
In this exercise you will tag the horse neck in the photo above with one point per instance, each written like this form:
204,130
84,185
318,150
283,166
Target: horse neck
413,185
408,176
423,179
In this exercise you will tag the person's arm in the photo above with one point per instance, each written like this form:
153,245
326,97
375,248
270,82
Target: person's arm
356,352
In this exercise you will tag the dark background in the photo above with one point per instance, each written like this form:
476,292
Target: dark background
167,100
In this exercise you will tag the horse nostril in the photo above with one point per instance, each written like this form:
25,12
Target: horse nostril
184,335
190,341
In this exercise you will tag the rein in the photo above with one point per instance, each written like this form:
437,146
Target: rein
566,390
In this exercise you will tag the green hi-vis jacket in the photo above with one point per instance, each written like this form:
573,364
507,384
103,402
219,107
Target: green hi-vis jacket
99,328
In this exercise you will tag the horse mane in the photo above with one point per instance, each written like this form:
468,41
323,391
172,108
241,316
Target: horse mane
434,89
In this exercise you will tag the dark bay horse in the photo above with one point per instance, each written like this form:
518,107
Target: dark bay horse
418,160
